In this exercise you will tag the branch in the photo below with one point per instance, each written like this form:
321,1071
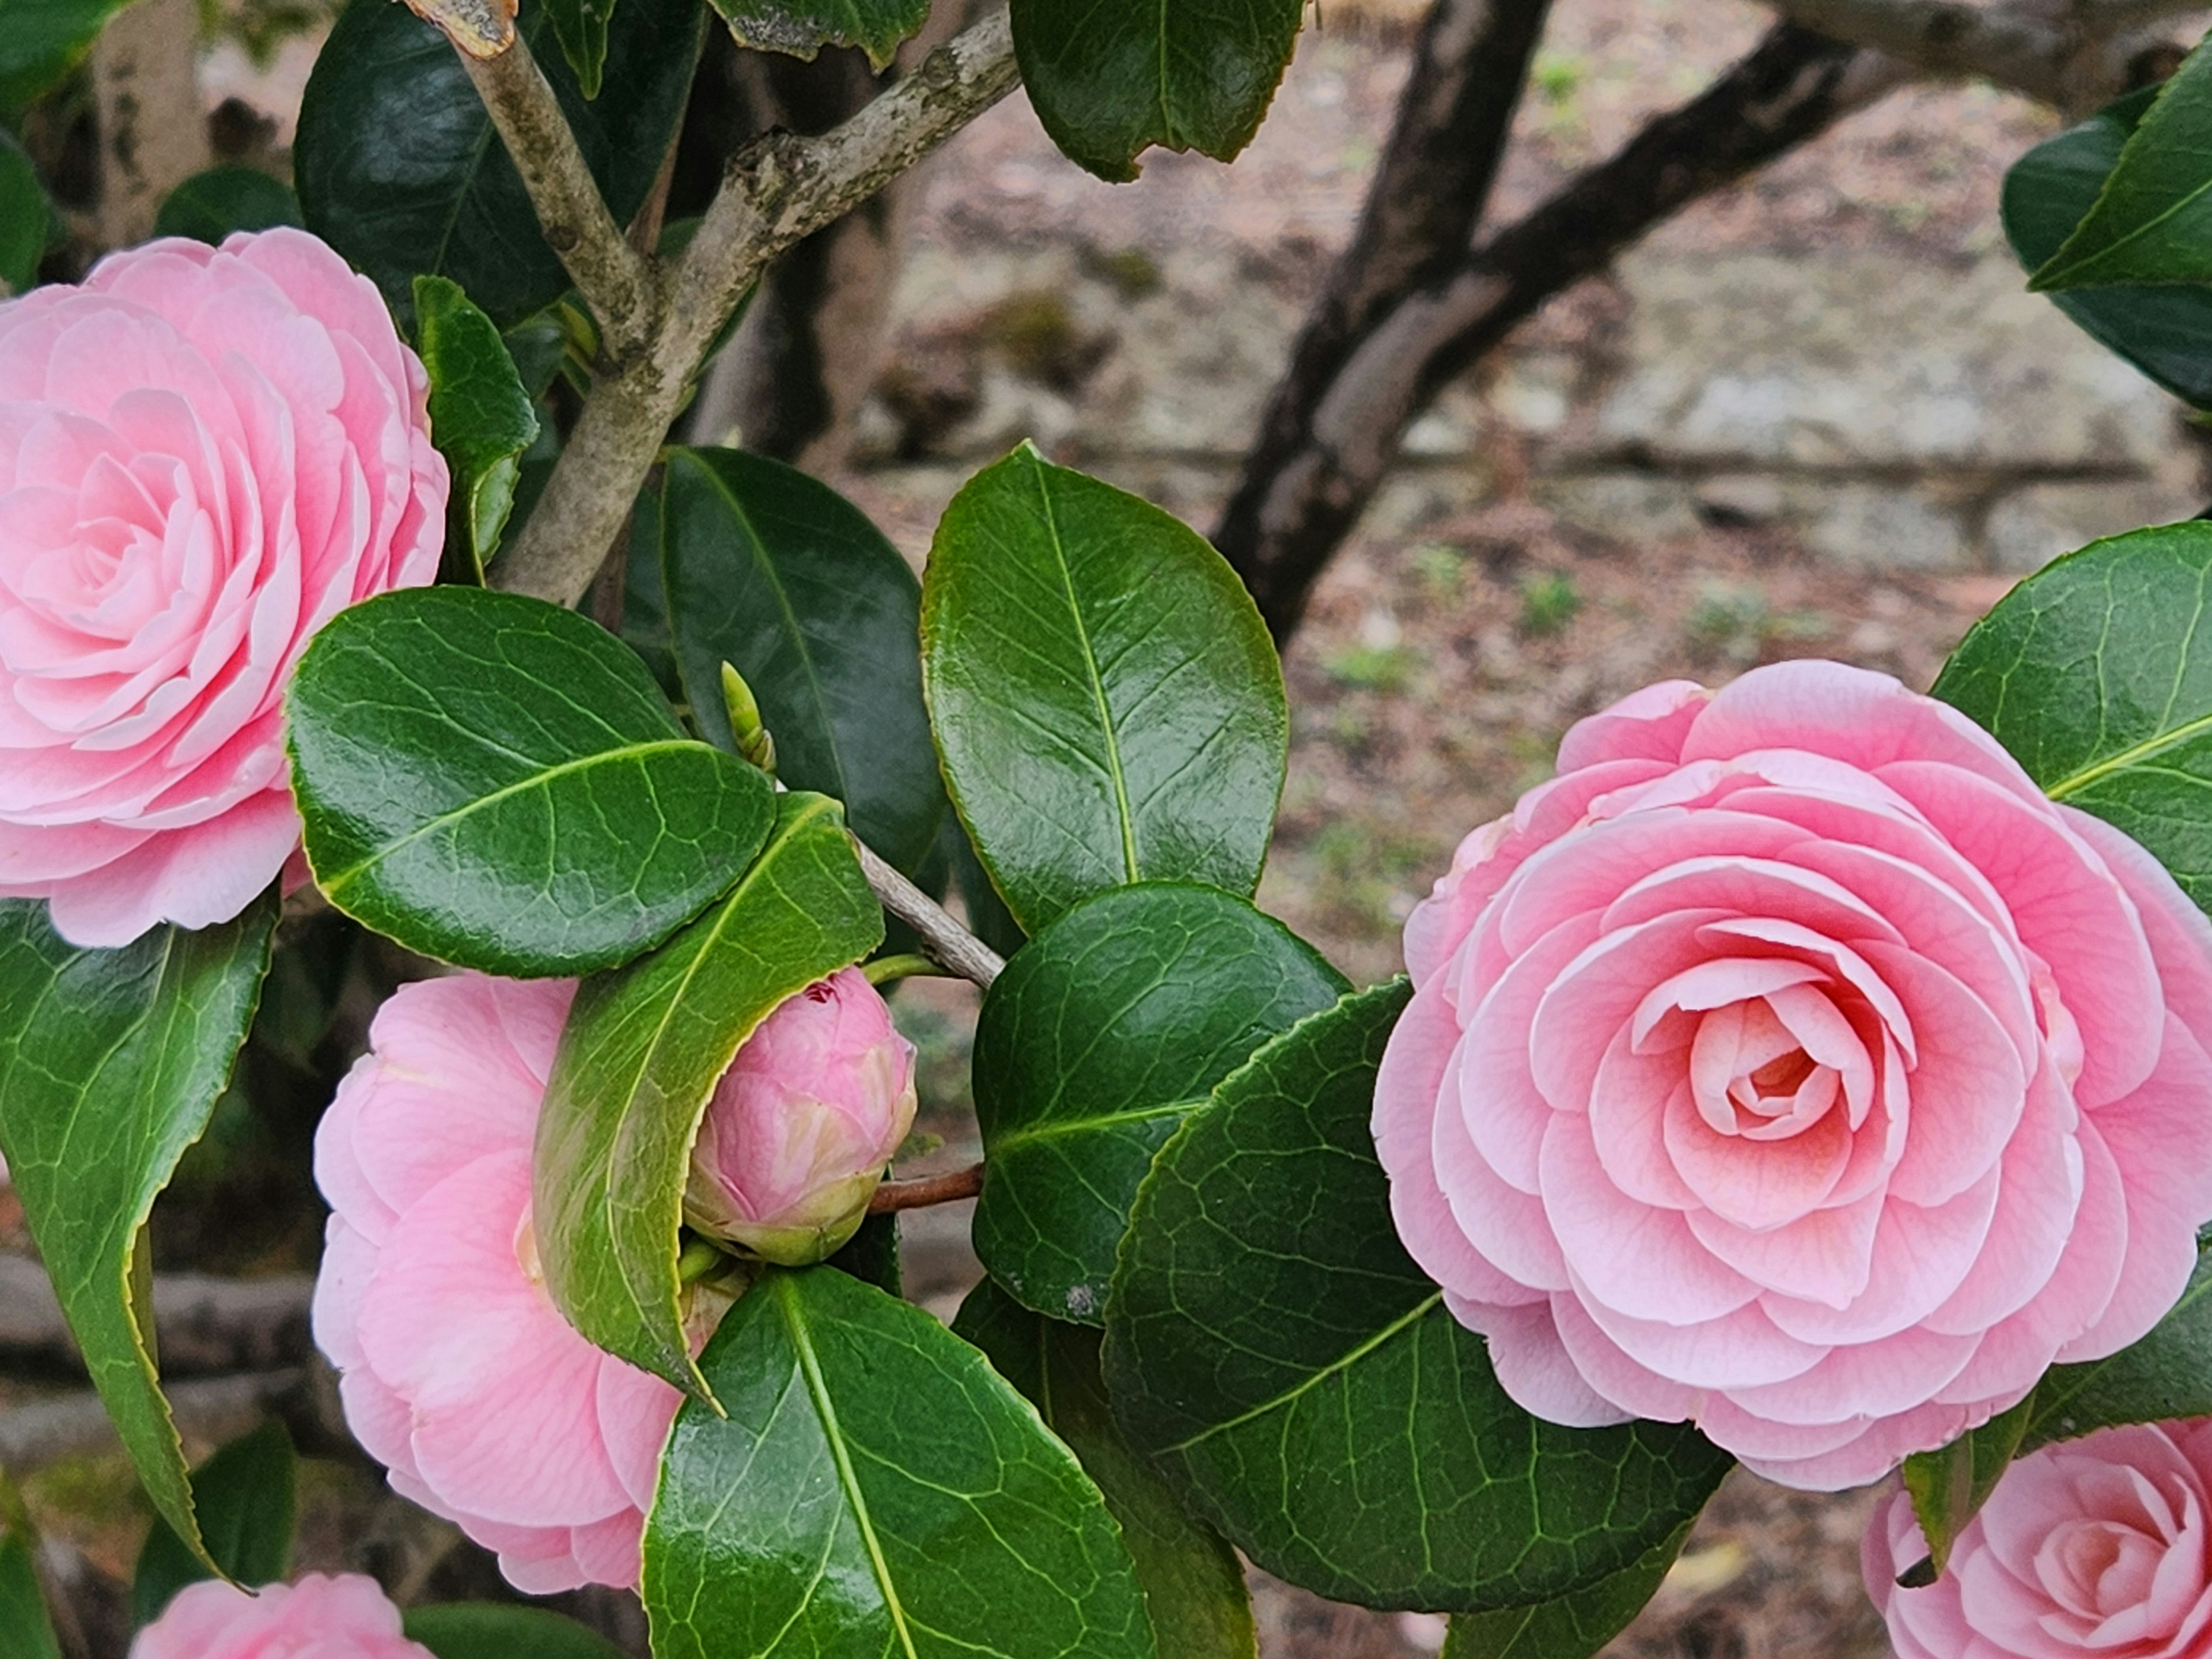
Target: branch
775,194
894,1196
611,275
205,1324
1329,444
945,938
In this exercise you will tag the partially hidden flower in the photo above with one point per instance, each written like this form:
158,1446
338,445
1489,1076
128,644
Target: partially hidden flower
204,454
1790,1064
318,1617
803,1125
2099,1548
457,1371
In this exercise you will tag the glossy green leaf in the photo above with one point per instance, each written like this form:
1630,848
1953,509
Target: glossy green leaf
246,1498
1274,1351
803,28
1106,699
643,1050
2165,1375
485,1630
1094,1046
25,219
876,1490
2096,673
2167,332
873,1254
42,40
399,168
26,1630
209,206
497,782
110,1063
581,28
1193,1587
482,416
784,579
1109,82
1572,1627
1950,1485
2152,222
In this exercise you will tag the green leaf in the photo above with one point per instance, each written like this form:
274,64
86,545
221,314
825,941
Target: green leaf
1950,1485
2152,222
1574,1627
2167,1375
42,40
643,1050
1109,82
399,168
1274,1351
2097,675
27,1631
486,1630
110,1063
1193,1587
246,1497
803,28
876,1490
1106,699
209,206
873,1254
784,579
497,782
25,218
2167,332
481,416
1094,1046
581,28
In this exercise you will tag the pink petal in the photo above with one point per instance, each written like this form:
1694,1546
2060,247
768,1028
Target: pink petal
1646,725
1532,1365
1506,1117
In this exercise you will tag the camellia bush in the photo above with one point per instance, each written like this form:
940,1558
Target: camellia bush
1814,1074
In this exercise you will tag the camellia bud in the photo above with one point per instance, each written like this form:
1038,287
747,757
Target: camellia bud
803,1125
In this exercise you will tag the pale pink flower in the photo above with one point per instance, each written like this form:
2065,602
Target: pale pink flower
803,1125
2099,1548
318,1617
1790,1065
457,1371
204,455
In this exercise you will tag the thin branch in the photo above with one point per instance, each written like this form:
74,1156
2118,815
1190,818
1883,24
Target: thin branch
612,275
894,1196
775,194
945,938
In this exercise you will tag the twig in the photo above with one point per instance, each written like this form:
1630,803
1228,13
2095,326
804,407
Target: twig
894,1196
943,938
775,194
613,276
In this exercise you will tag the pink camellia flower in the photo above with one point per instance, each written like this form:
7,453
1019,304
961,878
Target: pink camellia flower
803,1125
1790,1064
204,454
2097,1549
319,1618
457,1371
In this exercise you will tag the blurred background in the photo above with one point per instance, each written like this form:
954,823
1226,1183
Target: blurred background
1813,413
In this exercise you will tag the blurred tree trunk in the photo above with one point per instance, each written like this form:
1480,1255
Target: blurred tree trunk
152,132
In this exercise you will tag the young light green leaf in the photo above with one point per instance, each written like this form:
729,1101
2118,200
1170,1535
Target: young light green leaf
1109,82
1573,1626
803,28
2096,673
876,1490
2167,332
209,206
26,1630
1950,1485
246,1498
2165,1375
399,168
110,1063
25,219
581,28
1193,1587
1093,1046
497,782
2153,221
1106,699
784,579
481,416
1274,1351
487,1630
642,1052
